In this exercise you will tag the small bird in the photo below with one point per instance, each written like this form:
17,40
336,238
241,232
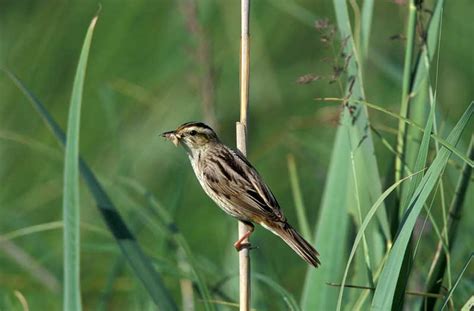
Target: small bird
234,185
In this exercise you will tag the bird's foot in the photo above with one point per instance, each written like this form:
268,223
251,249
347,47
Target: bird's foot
242,246
243,241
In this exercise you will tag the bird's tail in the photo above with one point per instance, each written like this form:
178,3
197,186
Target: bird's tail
297,243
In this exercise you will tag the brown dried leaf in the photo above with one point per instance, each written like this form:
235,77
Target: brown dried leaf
308,78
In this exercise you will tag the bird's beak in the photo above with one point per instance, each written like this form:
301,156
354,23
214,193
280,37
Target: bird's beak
172,136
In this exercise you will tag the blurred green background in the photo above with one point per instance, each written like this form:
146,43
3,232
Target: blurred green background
156,64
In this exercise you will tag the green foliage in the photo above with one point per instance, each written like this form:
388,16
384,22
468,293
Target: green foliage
156,64
389,276
71,205
331,232
129,246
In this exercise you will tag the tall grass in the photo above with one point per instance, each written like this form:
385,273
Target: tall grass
344,186
383,274
353,152
389,277
71,206
125,239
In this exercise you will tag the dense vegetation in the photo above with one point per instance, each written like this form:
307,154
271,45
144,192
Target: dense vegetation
316,82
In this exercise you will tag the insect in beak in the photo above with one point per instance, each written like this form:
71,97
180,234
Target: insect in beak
172,137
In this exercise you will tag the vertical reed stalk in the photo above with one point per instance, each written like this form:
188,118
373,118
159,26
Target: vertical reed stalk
401,137
241,132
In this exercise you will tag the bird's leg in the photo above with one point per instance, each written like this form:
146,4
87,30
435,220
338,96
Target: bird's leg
238,244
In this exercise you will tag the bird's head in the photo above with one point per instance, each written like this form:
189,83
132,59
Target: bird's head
192,135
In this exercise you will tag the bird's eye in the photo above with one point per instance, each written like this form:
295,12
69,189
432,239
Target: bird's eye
192,133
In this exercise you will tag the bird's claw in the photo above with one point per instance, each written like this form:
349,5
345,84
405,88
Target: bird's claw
242,246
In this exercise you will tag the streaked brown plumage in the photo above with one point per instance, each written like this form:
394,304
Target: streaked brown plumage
235,186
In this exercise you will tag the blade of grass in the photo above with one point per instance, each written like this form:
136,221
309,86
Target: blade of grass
438,266
31,143
32,229
356,124
365,245
458,279
407,193
295,10
118,266
468,304
331,231
444,239
71,205
333,222
356,28
298,198
421,81
286,296
437,138
401,136
30,264
362,299
21,298
53,225
360,233
386,286
170,227
421,94
417,114
129,246
421,159
412,293
366,23
429,216
107,289
428,52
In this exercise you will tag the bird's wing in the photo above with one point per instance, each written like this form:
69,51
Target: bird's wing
241,185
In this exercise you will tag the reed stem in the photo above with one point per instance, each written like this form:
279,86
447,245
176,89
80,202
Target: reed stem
241,132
